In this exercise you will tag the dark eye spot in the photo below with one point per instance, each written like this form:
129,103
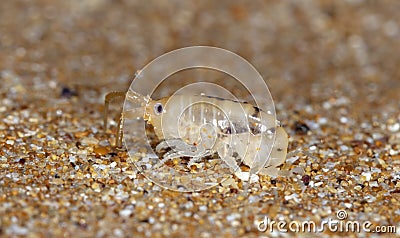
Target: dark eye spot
158,108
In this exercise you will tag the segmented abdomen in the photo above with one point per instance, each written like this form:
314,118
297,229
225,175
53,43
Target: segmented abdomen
194,113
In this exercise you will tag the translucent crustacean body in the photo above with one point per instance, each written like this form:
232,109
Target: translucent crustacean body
197,126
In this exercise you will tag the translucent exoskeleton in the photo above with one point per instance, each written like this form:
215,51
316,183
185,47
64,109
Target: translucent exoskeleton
201,126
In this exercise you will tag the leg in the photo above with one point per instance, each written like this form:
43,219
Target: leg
194,160
112,96
177,144
226,154
181,149
119,97
118,136
176,154
198,157
131,114
195,156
